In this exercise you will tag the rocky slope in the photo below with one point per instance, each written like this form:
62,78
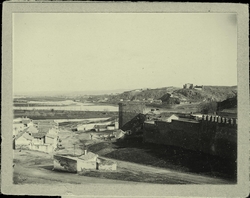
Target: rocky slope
176,95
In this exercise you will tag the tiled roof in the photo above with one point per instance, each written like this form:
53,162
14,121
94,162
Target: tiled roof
43,130
51,135
38,135
21,133
45,122
26,121
88,156
27,136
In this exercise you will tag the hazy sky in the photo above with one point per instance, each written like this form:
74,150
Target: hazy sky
81,52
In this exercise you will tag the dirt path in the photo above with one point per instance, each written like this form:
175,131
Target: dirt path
174,175
36,167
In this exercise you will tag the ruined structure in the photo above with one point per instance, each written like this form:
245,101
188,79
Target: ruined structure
191,86
188,86
212,134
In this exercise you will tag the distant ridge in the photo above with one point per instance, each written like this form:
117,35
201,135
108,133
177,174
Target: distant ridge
66,93
209,93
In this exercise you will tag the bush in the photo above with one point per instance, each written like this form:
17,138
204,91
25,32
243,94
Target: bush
208,107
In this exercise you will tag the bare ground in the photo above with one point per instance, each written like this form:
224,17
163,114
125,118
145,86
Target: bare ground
36,167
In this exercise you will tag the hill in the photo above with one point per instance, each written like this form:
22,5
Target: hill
175,95
209,93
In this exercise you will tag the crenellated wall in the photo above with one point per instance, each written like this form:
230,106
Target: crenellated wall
212,134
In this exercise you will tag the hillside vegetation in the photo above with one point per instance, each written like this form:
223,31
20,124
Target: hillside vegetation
143,94
209,93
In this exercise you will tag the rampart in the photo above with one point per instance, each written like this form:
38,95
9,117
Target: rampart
128,111
212,134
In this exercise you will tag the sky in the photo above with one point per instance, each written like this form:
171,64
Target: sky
111,51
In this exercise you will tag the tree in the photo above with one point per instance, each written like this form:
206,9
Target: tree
208,107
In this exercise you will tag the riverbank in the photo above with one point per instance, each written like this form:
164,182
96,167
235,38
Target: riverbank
63,114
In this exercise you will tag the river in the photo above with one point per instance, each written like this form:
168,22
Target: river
74,106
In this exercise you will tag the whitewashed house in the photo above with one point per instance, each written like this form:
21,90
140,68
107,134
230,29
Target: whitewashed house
170,118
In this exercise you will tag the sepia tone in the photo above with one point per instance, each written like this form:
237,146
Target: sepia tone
137,102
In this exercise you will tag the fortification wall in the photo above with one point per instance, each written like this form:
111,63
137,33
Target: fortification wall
219,136
179,133
212,134
127,111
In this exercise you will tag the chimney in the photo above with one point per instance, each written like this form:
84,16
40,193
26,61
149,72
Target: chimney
85,152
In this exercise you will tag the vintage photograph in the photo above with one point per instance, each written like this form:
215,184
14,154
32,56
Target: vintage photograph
124,98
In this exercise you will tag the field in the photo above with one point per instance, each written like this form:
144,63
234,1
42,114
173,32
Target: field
63,114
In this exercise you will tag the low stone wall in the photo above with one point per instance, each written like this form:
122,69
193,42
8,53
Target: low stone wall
107,165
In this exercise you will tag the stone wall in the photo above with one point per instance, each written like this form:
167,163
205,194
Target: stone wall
128,111
213,135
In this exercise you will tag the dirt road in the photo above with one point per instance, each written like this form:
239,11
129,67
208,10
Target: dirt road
179,177
36,168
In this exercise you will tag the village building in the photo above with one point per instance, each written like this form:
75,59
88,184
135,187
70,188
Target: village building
197,87
32,129
188,86
196,116
41,135
17,127
111,127
100,127
87,161
27,122
22,140
85,127
39,138
170,118
155,111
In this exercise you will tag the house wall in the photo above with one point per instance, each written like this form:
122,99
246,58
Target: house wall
86,165
50,140
39,140
169,119
85,127
47,148
17,127
22,141
209,135
116,125
110,127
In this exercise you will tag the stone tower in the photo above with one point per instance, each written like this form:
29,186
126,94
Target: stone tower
129,110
